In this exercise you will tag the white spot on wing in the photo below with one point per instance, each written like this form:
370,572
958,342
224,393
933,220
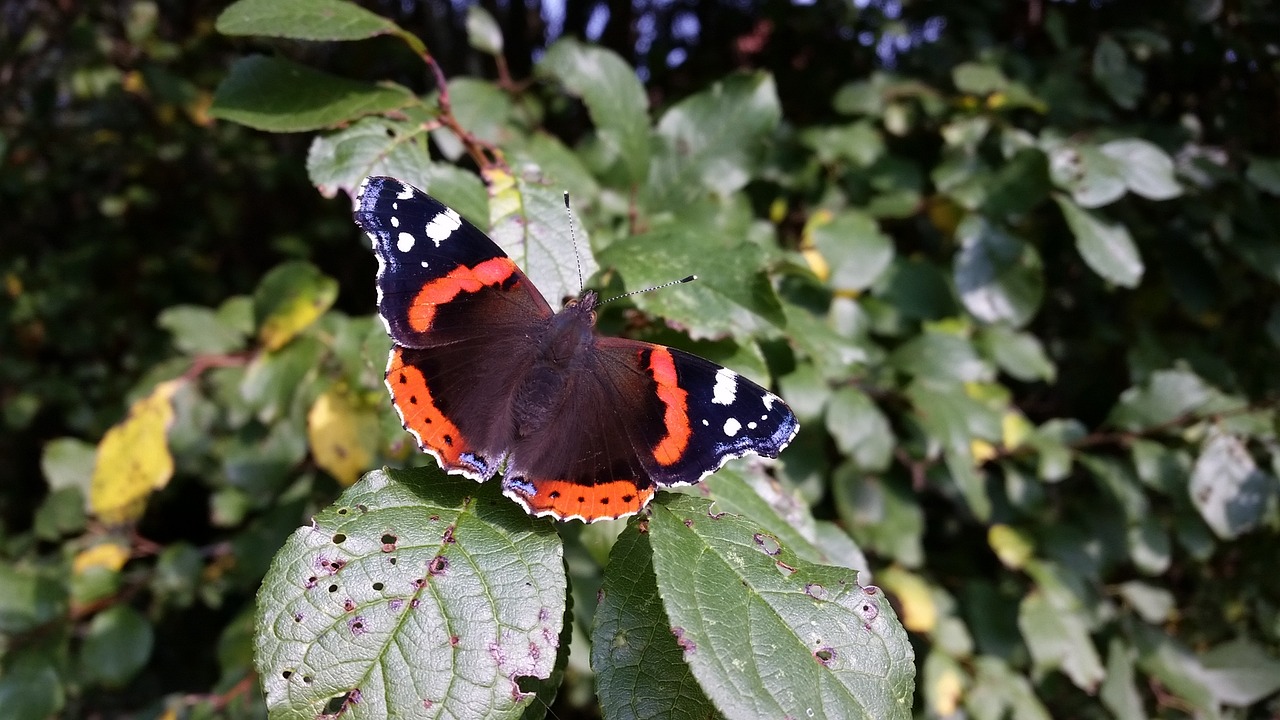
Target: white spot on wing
768,400
423,263
405,242
726,388
751,425
443,225
704,422
395,221
732,426
405,193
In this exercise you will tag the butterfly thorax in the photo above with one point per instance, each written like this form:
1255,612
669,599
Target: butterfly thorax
565,348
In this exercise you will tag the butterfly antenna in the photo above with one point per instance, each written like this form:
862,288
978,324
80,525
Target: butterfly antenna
681,281
573,238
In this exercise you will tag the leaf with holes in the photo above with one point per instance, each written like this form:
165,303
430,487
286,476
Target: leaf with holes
639,672
769,634
416,593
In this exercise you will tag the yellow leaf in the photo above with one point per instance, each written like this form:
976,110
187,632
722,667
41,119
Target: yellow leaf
947,688
982,451
1012,546
289,299
110,555
1014,430
817,263
133,458
919,612
777,210
342,434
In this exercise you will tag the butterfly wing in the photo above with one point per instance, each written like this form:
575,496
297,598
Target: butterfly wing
646,416
464,319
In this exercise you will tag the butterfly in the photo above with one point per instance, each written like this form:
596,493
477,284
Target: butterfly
487,376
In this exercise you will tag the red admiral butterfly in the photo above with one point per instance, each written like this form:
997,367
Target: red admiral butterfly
483,372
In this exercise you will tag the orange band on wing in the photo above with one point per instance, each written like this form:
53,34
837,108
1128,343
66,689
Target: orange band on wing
462,279
565,499
418,410
676,414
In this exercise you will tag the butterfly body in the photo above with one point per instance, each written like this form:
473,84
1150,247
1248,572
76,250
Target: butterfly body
486,376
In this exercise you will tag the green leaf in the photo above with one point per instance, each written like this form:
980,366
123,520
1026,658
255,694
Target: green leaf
999,277
483,32
200,330
1119,691
1112,70
638,665
68,463
1152,603
859,144
731,297
1241,672
861,431
940,356
288,299
483,109
1228,488
978,79
1165,397
1058,639
62,512
1106,248
614,97
816,639
1018,353
414,589
116,646
855,249
277,95
917,289
1264,173
1147,170
272,378
1091,176
30,685
700,152
998,692
530,223
28,599
371,146
881,513
834,356
1174,665
302,20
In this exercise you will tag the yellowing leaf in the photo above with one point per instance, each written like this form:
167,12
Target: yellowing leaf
778,210
919,611
109,555
342,434
817,263
1012,546
289,299
133,458
982,451
1014,430
947,689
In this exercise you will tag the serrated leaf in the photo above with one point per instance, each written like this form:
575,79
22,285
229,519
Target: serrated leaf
1106,247
999,277
700,152
637,662
529,222
483,32
853,246
614,97
820,645
1147,170
133,458
732,296
1059,639
1228,488
860,430
343,435
267,93
288,299
302,20
415,591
